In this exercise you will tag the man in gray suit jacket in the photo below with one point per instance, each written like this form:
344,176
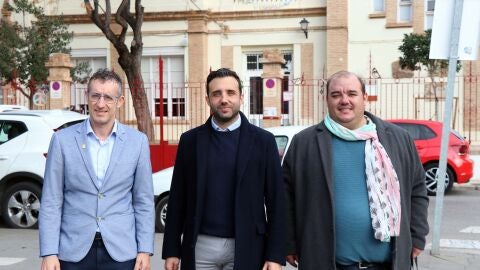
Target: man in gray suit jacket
355,188
97,208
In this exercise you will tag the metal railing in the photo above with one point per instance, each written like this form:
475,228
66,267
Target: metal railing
182,106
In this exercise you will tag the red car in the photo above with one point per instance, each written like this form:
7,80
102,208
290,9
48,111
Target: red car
427,136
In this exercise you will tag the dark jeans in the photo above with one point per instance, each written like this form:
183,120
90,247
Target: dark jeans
97,258
365,266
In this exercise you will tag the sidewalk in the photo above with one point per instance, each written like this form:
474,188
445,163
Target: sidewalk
455,258
450,259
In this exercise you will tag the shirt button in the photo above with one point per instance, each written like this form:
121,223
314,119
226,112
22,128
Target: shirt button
101,195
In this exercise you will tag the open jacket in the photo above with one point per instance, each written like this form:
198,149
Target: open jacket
259,196
308,176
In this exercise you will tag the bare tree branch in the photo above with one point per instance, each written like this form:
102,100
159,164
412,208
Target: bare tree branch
130,61
137,32
125,5
104,25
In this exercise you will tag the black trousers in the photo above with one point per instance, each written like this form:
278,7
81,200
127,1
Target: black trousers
98,258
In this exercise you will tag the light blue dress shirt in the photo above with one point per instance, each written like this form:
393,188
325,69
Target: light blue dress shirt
232,127
100,151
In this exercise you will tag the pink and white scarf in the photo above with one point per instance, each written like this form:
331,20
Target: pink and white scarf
382,181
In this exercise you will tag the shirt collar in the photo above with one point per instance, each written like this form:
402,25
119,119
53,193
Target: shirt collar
232,127
90,130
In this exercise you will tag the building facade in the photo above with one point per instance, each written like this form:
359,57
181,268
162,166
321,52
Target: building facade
184,40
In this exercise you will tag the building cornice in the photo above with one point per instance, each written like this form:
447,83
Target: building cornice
212,16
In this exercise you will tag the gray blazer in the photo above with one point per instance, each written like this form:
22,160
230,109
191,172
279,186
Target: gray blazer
307,171
73,206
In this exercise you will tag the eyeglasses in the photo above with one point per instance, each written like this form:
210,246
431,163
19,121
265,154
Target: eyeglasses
95,97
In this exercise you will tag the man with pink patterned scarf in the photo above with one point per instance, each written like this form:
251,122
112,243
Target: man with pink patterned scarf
355,188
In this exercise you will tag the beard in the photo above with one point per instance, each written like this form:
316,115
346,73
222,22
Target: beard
224,119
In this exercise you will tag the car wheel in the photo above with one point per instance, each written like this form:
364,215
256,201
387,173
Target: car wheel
430,172
21,205
161,214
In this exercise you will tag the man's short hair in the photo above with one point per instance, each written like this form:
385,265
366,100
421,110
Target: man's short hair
105,74
344,74
220,73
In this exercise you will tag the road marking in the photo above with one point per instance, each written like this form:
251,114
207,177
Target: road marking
9,261
457,243
473,229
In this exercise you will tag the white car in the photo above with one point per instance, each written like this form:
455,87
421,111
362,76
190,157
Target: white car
24,139
161,189
162,179
8,108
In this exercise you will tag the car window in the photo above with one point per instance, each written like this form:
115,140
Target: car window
417,131
69,124
11,129
458,135
282,142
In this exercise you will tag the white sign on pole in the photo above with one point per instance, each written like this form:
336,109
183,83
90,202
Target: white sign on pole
442,27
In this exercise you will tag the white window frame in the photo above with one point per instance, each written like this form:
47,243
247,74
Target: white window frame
166,52
376,3
429,14
170,88
404,3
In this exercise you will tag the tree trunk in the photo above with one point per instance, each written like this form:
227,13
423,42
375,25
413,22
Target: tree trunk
139,97
129,60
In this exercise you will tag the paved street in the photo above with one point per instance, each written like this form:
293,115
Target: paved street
460,234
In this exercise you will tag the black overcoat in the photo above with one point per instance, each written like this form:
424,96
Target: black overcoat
259,198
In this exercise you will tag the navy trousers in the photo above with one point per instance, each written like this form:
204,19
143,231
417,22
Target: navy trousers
97,258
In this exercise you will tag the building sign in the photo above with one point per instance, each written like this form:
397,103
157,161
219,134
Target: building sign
269,89
55,89
468,42
261,4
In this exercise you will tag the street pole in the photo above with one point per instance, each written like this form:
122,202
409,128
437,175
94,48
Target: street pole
447,119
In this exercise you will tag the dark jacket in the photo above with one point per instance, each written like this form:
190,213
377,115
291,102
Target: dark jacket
259,196
307,171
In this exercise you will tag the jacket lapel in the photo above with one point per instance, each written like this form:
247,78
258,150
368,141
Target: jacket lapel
324,143
81,139
245,144
202,145
116,152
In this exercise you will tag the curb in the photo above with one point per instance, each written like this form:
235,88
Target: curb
472,185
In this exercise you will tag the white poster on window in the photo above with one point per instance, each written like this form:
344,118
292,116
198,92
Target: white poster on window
468,44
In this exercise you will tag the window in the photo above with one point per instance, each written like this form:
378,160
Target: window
253,62
405,10
173,87
65,125
418,132
78,100
256,95
378,6
93,63
430,5
429,9
10,130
